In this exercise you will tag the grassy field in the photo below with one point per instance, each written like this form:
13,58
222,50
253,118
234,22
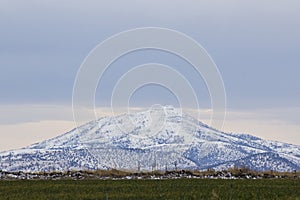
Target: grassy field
150,189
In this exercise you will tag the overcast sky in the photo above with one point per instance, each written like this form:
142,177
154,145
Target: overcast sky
255,45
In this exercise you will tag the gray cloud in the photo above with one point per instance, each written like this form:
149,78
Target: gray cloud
255,44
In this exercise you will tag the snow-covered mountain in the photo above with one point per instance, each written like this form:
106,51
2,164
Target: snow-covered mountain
157,139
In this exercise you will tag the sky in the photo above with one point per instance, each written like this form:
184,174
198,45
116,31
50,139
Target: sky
255,45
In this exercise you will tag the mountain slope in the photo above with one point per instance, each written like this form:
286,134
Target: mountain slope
155,139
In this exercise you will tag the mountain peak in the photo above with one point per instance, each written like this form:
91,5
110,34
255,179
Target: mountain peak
153,139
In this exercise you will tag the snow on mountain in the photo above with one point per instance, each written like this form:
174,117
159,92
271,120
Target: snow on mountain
157,139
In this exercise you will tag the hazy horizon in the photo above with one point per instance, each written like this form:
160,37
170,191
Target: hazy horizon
255,46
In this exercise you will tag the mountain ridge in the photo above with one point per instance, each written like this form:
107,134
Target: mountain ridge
155,139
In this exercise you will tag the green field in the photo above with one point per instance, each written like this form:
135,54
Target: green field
150,189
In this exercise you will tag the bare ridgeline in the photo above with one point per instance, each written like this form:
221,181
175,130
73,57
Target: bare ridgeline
163,143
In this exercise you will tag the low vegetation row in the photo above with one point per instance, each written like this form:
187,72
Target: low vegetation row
232,173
